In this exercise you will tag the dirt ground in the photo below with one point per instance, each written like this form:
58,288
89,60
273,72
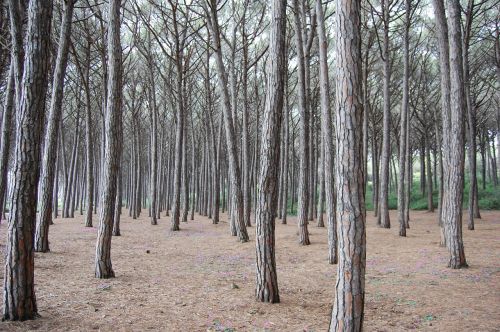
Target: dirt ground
202,279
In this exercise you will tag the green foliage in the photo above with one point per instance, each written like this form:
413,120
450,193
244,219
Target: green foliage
489,198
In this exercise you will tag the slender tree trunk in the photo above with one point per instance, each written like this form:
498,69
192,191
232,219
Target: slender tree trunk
103,267
303,190
70,178
444,60
403,121
471,120
285,153
321,172
383,212
267,280
185,182
234,169
154,163
8,110
246,139
326,131
118,205
430,204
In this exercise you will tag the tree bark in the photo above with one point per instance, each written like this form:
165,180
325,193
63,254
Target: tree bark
8,110
348,306
52,134
453,133
303,187
112,148
383,210
403,121
267,281
19,301
234,169
444,67
326,131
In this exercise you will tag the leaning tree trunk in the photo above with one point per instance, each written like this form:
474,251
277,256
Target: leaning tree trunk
267,280
112,147
52,134
348,306
19,302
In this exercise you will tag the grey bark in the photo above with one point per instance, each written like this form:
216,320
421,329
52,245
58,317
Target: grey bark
112,148
267,281
19,301
327,134
50,148
348,305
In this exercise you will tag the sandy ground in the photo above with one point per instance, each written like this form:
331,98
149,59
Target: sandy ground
187,280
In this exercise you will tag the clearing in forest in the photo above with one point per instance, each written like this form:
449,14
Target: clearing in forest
201,279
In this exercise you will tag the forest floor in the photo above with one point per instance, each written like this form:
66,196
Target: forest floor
202,279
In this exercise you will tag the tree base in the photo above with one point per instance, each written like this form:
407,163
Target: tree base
457,266
31,316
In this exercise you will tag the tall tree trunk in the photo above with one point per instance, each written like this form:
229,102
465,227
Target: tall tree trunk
6,134
185,182
154,154
409,175
19,302
444,60
285,153
375,175
55,194
348,306
453,132
383,211
403,121
118,205
326,132
176,204
430,204
303,190
267,281
70,178
103,267
246,136
234,169
471,120
90,160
